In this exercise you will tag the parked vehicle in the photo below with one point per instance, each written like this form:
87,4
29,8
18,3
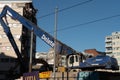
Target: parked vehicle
99,62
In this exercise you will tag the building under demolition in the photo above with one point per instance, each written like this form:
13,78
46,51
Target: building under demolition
22,37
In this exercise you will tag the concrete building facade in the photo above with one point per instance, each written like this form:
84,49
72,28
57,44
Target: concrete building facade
112,45
22,37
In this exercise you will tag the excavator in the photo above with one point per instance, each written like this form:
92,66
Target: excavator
61,48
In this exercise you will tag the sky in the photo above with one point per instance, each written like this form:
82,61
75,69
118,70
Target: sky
81,24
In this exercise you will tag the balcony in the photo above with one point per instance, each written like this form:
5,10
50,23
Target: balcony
108,51
108,45
108,39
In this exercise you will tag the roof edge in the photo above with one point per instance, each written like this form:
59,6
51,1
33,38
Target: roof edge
15,1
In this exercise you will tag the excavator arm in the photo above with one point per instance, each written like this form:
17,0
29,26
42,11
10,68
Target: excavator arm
36,30
61,48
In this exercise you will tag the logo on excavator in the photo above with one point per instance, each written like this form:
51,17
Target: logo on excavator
47,40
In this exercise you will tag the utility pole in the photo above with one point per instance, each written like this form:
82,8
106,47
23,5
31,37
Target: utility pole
31,47
55,37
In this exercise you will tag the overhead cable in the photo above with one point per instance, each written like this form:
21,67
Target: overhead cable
86,23
64,9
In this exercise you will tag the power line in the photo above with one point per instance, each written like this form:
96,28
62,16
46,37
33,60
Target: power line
89,22
75,5
64,9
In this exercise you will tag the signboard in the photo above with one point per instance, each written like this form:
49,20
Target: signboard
44,75
86,75
61,69
31,76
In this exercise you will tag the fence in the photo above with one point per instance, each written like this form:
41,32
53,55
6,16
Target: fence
63,76
83,75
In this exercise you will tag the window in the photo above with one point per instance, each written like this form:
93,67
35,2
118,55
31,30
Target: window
8,48
10,25
117,37
71,59
63,58
76,58
14,25
17,36
109,48
109,38
4,36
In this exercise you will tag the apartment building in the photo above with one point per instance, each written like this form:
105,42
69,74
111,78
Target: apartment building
22,37
112,45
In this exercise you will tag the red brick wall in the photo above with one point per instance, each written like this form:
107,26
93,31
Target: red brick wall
91,51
